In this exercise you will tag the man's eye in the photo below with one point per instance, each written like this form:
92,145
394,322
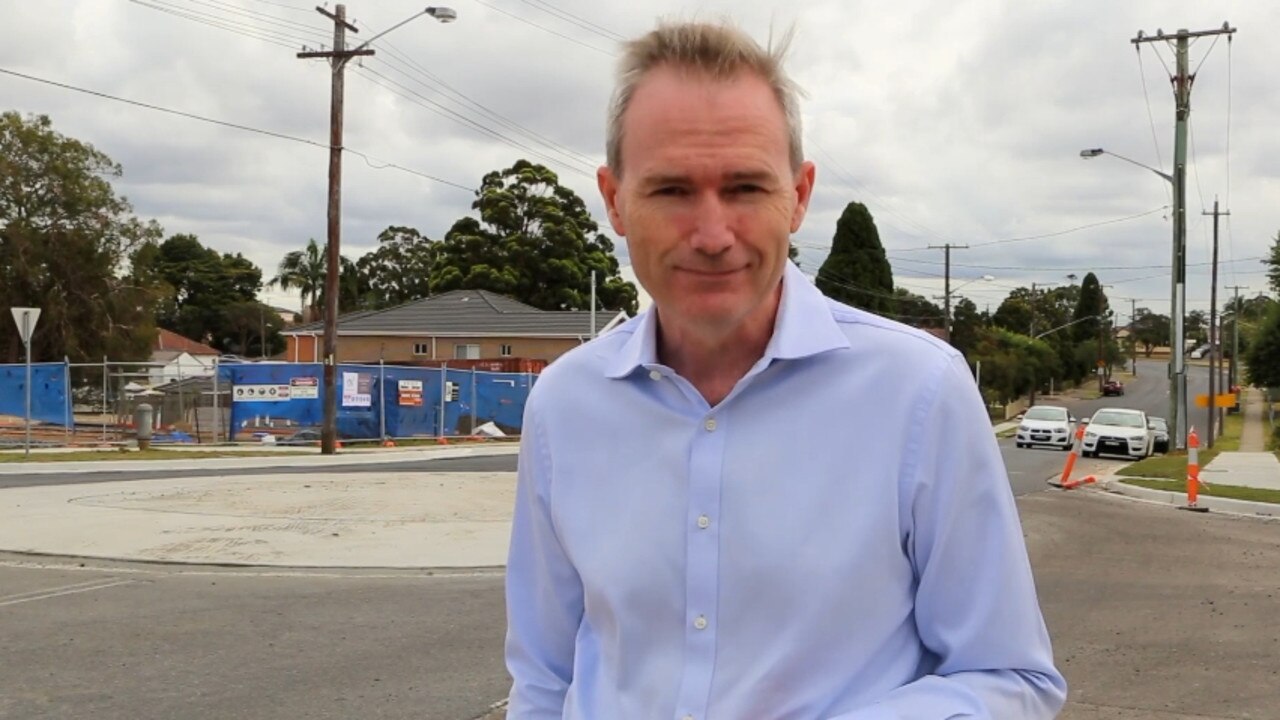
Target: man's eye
746,188
670,191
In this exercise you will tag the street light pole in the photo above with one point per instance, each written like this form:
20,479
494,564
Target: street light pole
338,58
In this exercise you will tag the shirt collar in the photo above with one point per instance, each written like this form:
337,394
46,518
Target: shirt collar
804,327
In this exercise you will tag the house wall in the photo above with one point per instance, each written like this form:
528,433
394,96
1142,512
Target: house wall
181,367
400,349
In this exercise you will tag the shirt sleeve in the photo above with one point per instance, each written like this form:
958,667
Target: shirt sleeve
976,608
543,590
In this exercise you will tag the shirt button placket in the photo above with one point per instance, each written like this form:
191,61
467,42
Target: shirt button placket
702,566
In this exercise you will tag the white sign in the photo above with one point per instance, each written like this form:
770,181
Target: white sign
259,393
357,390
304,388
26,318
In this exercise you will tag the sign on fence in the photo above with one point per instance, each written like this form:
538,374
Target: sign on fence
410,393
357,389
304,388
260,393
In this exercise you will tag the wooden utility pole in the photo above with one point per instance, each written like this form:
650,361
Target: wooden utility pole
1214,340
1232,377
338,58
946,292
1133,338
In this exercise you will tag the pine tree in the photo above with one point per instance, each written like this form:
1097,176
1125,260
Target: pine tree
857,272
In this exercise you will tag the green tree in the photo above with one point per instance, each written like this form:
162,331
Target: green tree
1149,330
1196,326
856,272
1091,308
399,270
534,241
1272,261
966,325
251,329
1012,363
68,245
1263,357
915,310
303,270
200,285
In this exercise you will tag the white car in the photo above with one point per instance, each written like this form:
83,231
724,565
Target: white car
1118,431
1046,425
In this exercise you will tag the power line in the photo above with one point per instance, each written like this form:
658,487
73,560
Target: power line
234,126
544,28
572,19
295,8
279,37
1072,230
883,205
439,109
1060,267
262,17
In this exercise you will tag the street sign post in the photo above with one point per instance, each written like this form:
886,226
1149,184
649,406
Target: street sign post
26,318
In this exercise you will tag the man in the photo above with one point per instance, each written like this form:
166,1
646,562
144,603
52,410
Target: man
751,502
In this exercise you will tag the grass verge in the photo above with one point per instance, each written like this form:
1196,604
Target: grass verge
1223,491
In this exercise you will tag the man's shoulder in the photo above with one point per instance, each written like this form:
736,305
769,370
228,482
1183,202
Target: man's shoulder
865,329
591,359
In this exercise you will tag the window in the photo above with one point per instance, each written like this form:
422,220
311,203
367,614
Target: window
466,352
422,348
505,351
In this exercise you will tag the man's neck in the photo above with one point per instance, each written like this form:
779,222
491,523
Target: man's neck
714,362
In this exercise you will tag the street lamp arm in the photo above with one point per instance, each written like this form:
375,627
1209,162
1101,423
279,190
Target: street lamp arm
442,14
1095,152
1060,327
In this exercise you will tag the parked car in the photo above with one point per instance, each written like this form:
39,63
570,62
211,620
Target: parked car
1045,425
306,436
1112,387
1118,431
1160,434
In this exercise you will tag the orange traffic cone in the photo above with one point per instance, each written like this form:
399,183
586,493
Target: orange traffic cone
1193,473
1065,482
388,442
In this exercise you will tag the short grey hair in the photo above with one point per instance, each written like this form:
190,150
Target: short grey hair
719,50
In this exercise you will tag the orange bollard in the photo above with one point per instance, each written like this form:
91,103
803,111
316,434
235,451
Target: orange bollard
388,443
1193,473
1065,482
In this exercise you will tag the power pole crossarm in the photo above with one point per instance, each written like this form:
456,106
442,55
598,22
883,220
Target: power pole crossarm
946,293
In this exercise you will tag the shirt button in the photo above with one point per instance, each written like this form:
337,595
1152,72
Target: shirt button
700,623
710,424
655,375
704,522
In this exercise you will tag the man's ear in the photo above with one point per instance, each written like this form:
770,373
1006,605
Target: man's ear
804,191
609,183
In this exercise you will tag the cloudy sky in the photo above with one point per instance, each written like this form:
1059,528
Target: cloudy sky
955,122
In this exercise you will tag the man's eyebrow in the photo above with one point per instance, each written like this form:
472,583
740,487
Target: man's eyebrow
756,176
664,179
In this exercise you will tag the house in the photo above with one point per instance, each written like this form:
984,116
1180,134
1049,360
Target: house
175,357
456,325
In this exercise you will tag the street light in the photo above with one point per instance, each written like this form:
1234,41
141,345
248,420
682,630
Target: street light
1178,296
952,291
338,58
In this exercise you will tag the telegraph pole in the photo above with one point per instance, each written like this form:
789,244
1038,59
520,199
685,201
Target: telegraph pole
1182,81
1133,338
1214,340
946,292
1232,379
338,58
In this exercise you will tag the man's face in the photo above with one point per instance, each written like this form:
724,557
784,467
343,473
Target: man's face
707,199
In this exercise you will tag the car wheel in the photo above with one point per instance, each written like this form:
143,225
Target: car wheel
1021,445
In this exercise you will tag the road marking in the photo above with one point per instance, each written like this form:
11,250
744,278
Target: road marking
60,591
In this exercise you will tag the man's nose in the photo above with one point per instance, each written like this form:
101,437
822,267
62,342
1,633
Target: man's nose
711,232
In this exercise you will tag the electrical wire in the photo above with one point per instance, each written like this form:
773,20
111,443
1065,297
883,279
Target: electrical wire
544,28
234,126
1071,230
883,205
1049,269
279,37
435,107
287,6
572,19
1142,73
260,16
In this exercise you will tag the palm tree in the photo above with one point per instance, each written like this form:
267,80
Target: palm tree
304,270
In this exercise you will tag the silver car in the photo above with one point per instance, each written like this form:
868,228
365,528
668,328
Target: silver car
1046,425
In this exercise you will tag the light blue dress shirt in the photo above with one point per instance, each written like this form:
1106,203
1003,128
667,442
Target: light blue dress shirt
836,540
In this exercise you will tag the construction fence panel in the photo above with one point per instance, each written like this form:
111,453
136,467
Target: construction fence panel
50,399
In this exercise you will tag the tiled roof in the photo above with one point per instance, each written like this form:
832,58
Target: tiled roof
465,312
167,340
